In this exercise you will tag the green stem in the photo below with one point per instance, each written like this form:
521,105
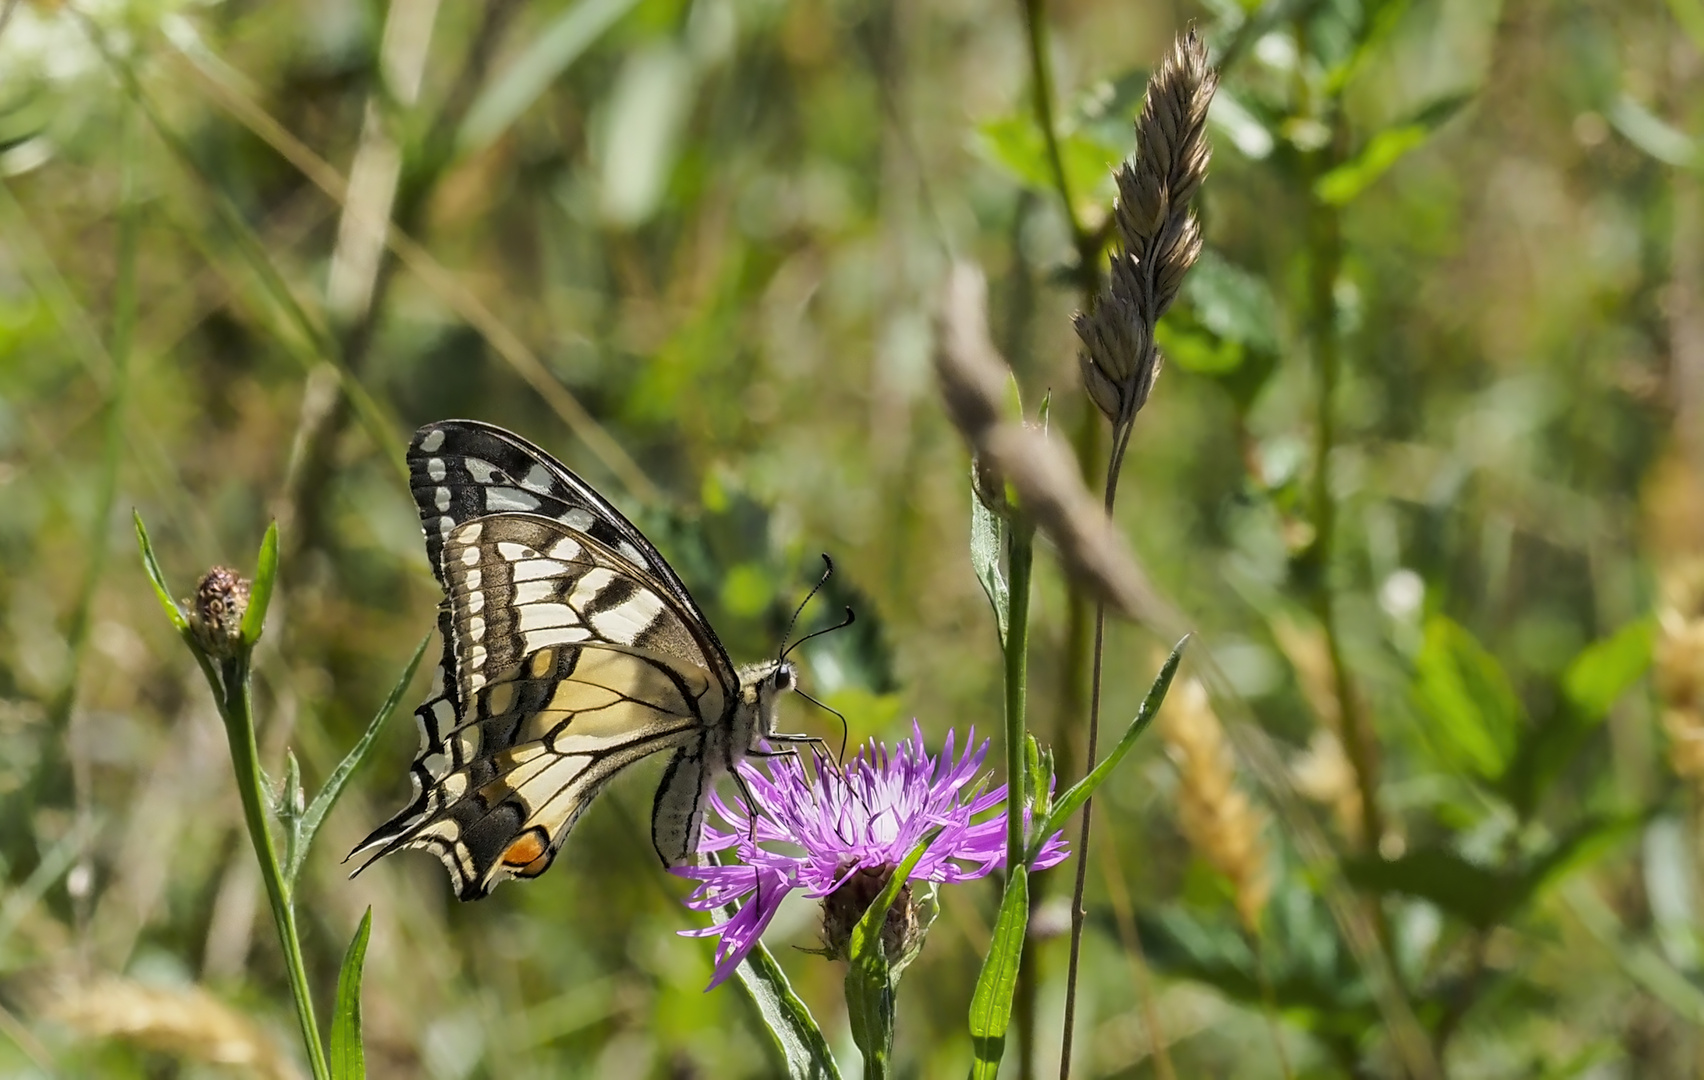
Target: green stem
1017,678
237,710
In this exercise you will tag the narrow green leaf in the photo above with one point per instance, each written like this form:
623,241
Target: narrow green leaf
521,82
260,593
151,566
315,814
794,1031
348,1061
991,1004
1604,670
1654,135
1080,792
987,547
1476,719
1344,183
869,983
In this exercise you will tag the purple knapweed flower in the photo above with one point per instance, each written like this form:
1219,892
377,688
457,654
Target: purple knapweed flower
847,831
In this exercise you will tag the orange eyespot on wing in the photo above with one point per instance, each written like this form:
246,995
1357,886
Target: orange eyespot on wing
527,848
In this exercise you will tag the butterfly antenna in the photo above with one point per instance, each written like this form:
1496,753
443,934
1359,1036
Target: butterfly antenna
827,572
845,731
841,625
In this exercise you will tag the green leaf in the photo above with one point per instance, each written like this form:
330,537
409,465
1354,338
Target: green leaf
1344,183
1038,780
315,814
1015,145
1654,135
260,593
1604,670
1080,792
991,1004
987,553
869,981
348,1061
1475,716
788,1021
1483,896
1599,675
522,81
1472,893
152,566
1235,305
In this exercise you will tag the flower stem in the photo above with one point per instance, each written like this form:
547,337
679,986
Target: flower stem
1017,678
236,707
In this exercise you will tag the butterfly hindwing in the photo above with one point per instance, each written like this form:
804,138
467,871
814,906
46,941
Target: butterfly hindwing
572,663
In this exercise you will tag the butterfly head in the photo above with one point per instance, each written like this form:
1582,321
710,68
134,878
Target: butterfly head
763,684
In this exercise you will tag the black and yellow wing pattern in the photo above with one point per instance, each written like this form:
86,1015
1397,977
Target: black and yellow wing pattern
571,650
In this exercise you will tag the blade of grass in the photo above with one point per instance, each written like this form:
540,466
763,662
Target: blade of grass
1077,794
996,985
260,593
347,1059
152,566
358,754
786,1017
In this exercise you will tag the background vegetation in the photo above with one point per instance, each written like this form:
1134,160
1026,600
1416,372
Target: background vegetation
1423,469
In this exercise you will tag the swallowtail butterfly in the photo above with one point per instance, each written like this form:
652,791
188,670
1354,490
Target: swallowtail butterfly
571,650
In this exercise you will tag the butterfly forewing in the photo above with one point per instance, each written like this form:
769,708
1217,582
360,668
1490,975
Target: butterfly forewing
461,470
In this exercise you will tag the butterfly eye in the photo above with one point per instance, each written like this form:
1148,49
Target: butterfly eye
783,678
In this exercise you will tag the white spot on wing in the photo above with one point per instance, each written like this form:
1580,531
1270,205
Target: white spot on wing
435,469
432,441
631,554
579,518
444,717
625,622
533,592
506,498
476,628
535,569
565,635
538,478
565,549
472,531
545,616
470,556
435,765
481,471
442,499
588,587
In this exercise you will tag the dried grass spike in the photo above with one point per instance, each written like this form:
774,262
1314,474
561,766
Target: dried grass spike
1217,818
187,1022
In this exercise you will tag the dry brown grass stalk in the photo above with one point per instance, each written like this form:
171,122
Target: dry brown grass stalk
186,1022
1217,818
1040,470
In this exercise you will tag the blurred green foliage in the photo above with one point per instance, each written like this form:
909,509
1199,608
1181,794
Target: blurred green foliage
693,247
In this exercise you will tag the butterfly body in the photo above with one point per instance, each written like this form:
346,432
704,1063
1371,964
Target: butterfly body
571,650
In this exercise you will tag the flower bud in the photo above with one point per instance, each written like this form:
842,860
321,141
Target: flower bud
216,612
